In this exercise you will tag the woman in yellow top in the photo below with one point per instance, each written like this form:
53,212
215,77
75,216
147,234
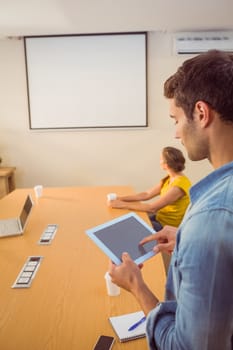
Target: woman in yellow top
171,205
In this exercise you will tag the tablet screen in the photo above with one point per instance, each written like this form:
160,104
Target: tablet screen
123,234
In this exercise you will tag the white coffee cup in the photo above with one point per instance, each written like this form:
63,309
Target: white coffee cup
112,288
111,196
38,191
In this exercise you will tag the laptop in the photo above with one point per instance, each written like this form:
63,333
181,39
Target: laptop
16,226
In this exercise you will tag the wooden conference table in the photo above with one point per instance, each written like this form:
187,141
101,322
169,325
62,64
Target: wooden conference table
67,306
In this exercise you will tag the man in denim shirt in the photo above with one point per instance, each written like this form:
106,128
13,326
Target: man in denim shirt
197,313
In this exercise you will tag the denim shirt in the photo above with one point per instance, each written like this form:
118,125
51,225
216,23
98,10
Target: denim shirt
197,313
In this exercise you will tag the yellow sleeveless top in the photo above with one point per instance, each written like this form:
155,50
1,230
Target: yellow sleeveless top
173,213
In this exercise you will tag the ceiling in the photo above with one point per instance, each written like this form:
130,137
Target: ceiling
44,17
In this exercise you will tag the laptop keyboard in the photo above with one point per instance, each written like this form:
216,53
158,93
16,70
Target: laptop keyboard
9,227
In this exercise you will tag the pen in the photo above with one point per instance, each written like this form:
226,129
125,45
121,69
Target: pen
135,325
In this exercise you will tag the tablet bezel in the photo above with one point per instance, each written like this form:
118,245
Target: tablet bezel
108,251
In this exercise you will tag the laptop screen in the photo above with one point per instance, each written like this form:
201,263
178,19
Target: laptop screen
26,211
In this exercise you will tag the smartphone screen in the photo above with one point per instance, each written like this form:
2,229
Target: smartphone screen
104,342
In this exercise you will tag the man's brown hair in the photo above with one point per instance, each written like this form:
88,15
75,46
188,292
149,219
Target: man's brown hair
207,77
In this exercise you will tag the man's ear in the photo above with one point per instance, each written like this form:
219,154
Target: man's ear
203,113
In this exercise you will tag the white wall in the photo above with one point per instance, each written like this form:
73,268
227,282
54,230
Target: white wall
88,157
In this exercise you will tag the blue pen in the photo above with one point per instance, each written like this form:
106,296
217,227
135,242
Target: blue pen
135,325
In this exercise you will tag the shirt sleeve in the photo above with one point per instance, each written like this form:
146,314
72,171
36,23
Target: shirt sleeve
201,315
183,183
160,319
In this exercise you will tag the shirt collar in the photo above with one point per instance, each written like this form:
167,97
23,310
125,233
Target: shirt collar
206,183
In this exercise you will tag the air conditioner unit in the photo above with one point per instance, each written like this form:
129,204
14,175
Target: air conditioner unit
197,42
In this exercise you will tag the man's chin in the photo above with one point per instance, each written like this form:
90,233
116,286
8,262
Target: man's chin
195,158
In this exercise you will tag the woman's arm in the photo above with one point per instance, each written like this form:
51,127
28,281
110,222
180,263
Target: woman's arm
173,194
142,196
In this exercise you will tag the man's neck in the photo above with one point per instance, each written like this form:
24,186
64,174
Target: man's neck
221,146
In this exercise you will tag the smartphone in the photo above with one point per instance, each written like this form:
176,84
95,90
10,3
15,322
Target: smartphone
104,342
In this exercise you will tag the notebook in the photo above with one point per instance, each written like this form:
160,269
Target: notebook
123,234
16,226
122,323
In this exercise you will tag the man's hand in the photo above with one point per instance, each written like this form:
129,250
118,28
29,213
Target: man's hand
166,239
127,275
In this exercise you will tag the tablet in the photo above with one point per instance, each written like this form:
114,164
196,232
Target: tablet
123,234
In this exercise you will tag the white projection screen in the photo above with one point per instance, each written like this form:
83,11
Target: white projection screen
87,81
